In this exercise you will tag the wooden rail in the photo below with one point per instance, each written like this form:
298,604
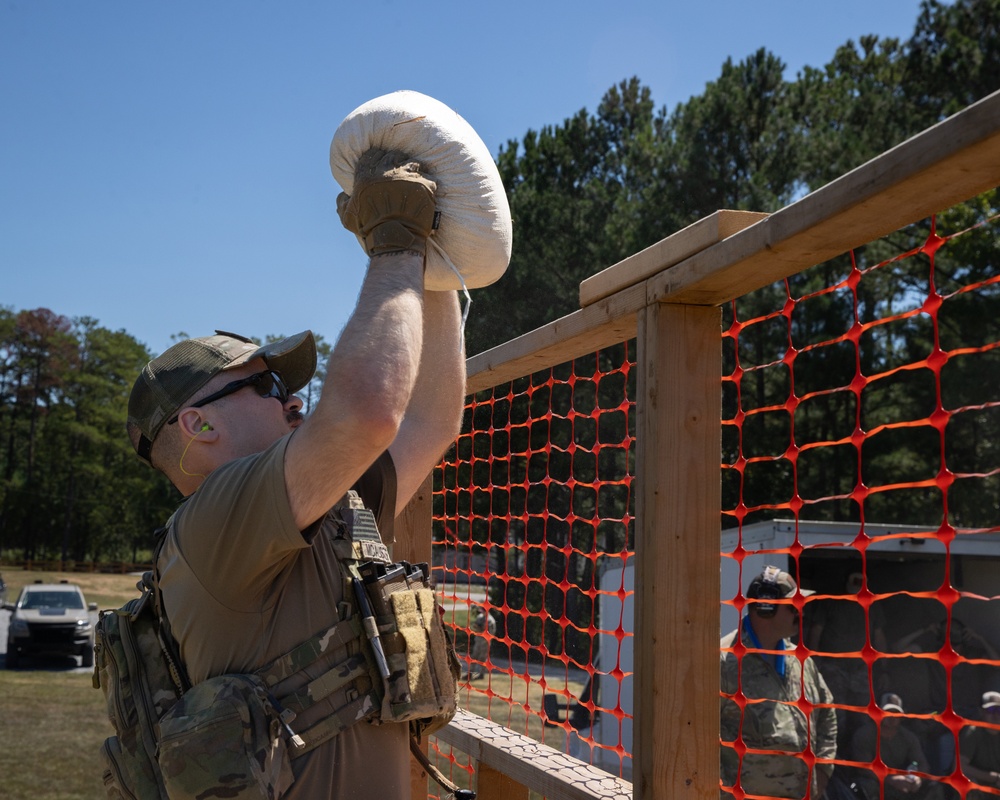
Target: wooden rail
530,763
946,164
667,297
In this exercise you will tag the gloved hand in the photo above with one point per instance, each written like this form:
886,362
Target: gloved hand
392,208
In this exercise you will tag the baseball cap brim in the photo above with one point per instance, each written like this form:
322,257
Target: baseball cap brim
294,357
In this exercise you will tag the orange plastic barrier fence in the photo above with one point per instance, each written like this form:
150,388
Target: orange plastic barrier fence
861,454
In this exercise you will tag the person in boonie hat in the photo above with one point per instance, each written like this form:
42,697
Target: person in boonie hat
247,566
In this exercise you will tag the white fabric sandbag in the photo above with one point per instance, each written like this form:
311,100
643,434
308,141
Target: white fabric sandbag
475,229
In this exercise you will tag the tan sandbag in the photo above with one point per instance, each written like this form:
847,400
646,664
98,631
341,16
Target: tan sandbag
474,232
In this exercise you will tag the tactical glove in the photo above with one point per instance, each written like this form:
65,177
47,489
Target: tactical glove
392,208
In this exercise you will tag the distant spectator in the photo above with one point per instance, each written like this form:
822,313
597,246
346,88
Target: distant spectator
841,625
979,749
480,622
899,749
778,723
923,683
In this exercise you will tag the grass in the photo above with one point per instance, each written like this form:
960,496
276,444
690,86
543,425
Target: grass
53,726
54,721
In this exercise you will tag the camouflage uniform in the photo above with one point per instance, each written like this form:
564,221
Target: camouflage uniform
777,725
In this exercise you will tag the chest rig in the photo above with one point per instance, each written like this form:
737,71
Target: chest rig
386,659
401,667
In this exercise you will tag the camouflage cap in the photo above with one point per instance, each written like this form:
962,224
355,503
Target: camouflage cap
168,381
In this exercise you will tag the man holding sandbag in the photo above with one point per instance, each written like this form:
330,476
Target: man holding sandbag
250,568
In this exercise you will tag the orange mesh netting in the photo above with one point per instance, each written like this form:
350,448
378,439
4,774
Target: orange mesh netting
861,453
862,409
533,517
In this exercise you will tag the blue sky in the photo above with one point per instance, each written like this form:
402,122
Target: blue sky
164,165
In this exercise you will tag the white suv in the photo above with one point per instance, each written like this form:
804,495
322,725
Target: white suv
50,619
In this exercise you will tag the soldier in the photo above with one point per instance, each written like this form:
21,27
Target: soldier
777,678
979,749
249,567
900,750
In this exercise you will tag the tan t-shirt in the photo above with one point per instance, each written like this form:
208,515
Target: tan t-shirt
242,585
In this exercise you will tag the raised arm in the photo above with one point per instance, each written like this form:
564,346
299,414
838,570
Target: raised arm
370,379
374,374
434,414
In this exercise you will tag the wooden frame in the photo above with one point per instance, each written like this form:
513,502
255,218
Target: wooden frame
668,297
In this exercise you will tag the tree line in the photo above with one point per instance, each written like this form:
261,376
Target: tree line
591,191
601,186
71,487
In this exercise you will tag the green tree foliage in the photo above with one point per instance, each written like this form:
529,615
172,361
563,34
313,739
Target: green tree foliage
72,487
584,194
853,109
572,190
601,186
734,146
954,55
604,185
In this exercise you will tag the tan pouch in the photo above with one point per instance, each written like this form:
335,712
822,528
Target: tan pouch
422,686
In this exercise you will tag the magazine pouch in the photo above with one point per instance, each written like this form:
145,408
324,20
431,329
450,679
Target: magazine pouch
423,671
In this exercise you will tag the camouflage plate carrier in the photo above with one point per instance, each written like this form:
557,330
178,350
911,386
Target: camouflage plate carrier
230,736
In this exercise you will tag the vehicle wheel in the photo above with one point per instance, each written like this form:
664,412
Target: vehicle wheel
87,657
13,658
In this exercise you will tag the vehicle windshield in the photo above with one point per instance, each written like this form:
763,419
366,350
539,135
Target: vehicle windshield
52,599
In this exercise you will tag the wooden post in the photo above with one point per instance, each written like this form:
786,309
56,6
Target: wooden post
494,785
676,726
413,544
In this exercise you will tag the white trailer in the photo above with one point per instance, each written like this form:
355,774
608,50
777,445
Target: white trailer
898,558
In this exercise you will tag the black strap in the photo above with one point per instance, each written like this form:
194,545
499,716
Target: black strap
439,777
168,644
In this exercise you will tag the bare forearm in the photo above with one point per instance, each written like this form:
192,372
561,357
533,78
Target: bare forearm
370,378
434,414
439,391
374,366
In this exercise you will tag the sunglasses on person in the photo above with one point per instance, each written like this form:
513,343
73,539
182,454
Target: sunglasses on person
267,384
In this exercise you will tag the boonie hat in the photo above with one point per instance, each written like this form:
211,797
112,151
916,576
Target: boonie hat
991,700
763,586
168,381
891,702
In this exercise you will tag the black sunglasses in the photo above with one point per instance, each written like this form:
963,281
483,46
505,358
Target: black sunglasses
267,384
